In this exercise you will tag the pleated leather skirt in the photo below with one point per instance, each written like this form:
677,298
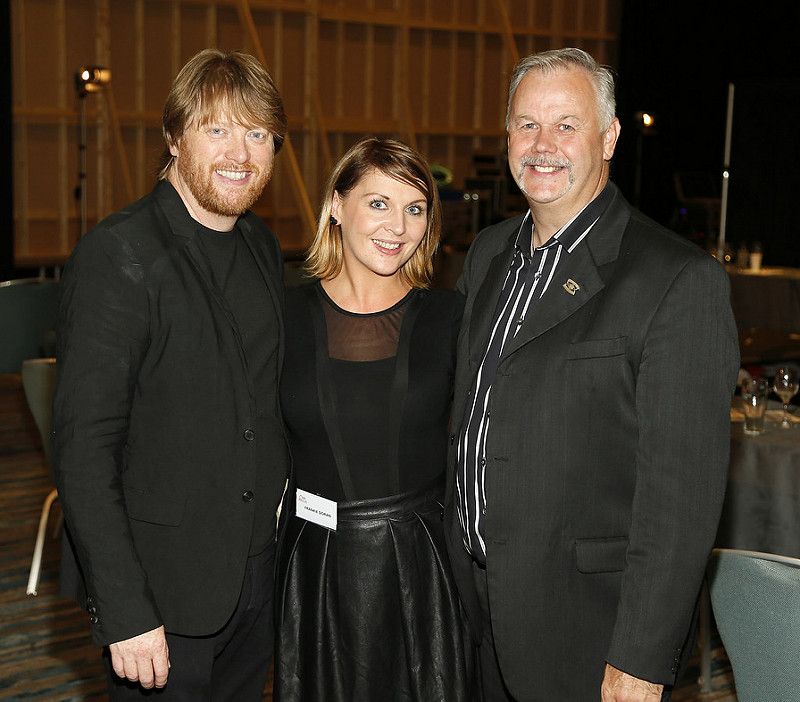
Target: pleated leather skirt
370,611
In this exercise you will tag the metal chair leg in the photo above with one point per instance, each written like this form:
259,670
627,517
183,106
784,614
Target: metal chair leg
705,641
36,562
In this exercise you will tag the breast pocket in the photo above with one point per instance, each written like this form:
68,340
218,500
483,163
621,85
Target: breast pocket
145,506
597,348
605,555
598,377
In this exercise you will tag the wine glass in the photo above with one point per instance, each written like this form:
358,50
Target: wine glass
786,386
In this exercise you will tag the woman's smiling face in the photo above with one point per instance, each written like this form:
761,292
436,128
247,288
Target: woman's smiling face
382,222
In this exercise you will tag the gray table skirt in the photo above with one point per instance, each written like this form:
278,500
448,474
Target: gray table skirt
762,503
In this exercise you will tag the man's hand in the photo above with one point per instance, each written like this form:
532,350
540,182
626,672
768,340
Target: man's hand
621,687
144,658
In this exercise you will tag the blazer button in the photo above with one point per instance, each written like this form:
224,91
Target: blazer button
94,619
249,434
452,439
247,496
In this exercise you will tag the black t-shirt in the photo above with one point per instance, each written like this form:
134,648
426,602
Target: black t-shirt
238,277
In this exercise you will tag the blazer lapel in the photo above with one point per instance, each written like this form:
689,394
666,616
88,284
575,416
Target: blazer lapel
578,276
558,302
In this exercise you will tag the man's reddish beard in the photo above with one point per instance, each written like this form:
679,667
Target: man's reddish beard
199,177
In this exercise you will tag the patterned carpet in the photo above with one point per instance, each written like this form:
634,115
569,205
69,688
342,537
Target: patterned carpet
45,649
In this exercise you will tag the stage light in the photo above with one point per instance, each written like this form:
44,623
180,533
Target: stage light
92,79
645,127
645,120
88,79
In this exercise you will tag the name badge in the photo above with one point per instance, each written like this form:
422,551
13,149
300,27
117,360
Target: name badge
316,509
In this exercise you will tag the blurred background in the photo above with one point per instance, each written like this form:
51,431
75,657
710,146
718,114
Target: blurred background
431,72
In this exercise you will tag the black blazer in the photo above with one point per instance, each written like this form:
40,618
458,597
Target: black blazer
152,419
607,458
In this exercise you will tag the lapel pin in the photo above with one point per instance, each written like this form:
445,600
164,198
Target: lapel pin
571,286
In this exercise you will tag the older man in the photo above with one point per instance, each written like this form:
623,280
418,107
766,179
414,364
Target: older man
590,443
171,458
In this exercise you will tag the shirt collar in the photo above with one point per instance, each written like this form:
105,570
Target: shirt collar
574,231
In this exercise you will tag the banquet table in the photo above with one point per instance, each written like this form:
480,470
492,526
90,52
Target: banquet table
762,503
761,510
768,298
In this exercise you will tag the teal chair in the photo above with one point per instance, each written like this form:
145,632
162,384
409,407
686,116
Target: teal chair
756,602
28,308
38,381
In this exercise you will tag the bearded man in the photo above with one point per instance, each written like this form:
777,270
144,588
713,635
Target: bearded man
170,452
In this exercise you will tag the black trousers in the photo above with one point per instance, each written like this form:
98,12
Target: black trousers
231,664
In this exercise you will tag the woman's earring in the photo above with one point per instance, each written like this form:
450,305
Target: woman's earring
333,221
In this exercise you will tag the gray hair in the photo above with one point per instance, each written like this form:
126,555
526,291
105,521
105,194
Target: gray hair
563,59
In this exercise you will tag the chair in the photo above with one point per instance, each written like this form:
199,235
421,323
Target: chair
38,381
28,308
698,195
756,602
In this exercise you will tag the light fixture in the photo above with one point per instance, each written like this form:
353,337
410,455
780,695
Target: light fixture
645,126
645,120
88,79
91,79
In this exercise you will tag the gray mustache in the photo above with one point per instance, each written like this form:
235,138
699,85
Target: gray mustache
539,161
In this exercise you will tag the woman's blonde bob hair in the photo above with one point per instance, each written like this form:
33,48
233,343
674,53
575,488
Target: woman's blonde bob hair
396,160
212,82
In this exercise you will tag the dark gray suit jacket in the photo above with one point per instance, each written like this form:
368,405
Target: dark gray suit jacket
608,453
152,419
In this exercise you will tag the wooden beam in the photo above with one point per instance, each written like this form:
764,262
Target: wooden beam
119,143
301,194
508,32
21,155
103,54
139,100
408,120
63,89
313,85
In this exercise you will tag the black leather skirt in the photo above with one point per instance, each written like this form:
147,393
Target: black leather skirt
370,611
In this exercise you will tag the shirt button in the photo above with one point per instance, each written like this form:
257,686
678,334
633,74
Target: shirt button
249,434
247,496
452,439
94,619
483,461
537,276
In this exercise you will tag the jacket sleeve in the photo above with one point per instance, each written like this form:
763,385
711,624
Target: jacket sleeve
685,381
102,338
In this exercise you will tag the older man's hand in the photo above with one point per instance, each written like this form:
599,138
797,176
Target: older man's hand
143,658
622,687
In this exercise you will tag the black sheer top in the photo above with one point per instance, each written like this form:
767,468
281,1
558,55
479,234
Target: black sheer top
366,397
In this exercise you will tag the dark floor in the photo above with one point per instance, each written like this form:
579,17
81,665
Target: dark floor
45,650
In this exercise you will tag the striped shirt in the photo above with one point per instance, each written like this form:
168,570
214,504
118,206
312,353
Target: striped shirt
527,279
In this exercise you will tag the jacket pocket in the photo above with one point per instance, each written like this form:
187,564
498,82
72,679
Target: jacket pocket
597,348
605,555
144,506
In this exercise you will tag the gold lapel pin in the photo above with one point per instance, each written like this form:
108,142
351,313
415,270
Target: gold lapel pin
571,286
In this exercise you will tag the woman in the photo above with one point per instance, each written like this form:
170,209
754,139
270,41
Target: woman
367,609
